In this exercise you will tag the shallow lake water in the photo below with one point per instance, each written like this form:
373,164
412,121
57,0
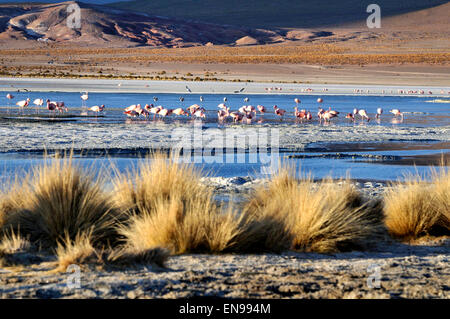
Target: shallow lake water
377,163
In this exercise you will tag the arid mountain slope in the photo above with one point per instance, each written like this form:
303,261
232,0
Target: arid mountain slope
105,26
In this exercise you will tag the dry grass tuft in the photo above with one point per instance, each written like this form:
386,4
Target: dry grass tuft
76,251
313,217
57,200
418,208
192,225
156,178
169,207
13,242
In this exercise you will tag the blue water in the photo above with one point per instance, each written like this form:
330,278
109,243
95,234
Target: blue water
417,112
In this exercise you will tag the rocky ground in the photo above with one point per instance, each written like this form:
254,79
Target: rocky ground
392,271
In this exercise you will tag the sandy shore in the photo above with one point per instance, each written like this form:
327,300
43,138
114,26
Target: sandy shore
179,87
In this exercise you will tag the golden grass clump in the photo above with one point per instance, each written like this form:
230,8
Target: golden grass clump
195,225
312,217
170,208
75,251
418,208
156,178
13,242
58,200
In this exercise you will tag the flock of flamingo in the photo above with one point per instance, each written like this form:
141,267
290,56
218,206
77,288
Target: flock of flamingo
245,114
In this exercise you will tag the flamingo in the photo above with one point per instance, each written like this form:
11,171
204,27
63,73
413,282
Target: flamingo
379,112
23,103
327,116
131,113
364,115
193,108
236,116
279,112
222,106
164,112
299,114
248,117
9,97
51,106
350,116
261,109
155,110
38,102
200,113
297,101
179,111
396,113
319,100
246,99
130,108
333,112
97,109
222,115
84,97
243,109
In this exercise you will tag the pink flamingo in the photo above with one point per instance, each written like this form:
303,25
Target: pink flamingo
200,113
51,106
97,109
179,111
261,109
364,115
222,115
299,114
279,112
236,116
308,116
396,113
164,112
131,113
193,108
23,103
379,112
350,116
327,116
131,108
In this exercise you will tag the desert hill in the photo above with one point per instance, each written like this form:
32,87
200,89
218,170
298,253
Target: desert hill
106,26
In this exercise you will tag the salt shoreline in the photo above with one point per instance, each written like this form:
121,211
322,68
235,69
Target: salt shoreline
206,87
